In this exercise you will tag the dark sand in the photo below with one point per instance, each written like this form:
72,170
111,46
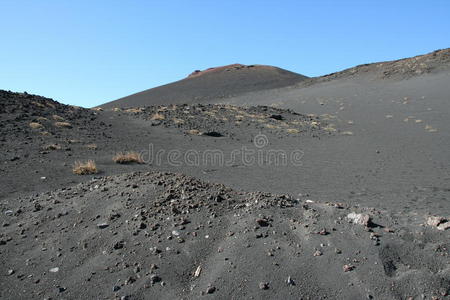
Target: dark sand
373,140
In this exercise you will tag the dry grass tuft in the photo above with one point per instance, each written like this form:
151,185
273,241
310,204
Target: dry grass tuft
347,133
41,119
178,121
193,132
73,141
211,113
271,126
327,117
297,122
128,157
158,117
49,104
52,147
292,130
91,146
85,168
57,118
430,128
330,128
35,125
38,104
63,124
133,110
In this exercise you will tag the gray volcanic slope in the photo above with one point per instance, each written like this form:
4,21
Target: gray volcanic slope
362,213
213,83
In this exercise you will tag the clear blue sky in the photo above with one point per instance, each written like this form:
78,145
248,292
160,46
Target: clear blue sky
89,52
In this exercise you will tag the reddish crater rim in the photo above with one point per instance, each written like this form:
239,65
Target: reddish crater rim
231,67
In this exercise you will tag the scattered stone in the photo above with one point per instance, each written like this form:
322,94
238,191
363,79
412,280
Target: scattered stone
154,279
434,220
276,117
360,219
210,289
289,281
213,134
102,225
263,285
339,205
348,268
156,250
10,272
37,207
323,232
262,222
54,270
444,226
129,280
317,253
118,245
198,271
116,288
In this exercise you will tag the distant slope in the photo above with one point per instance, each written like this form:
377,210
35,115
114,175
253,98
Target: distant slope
213,83
405,68
231,81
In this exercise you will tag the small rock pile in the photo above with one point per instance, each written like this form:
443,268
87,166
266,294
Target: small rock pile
227,120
